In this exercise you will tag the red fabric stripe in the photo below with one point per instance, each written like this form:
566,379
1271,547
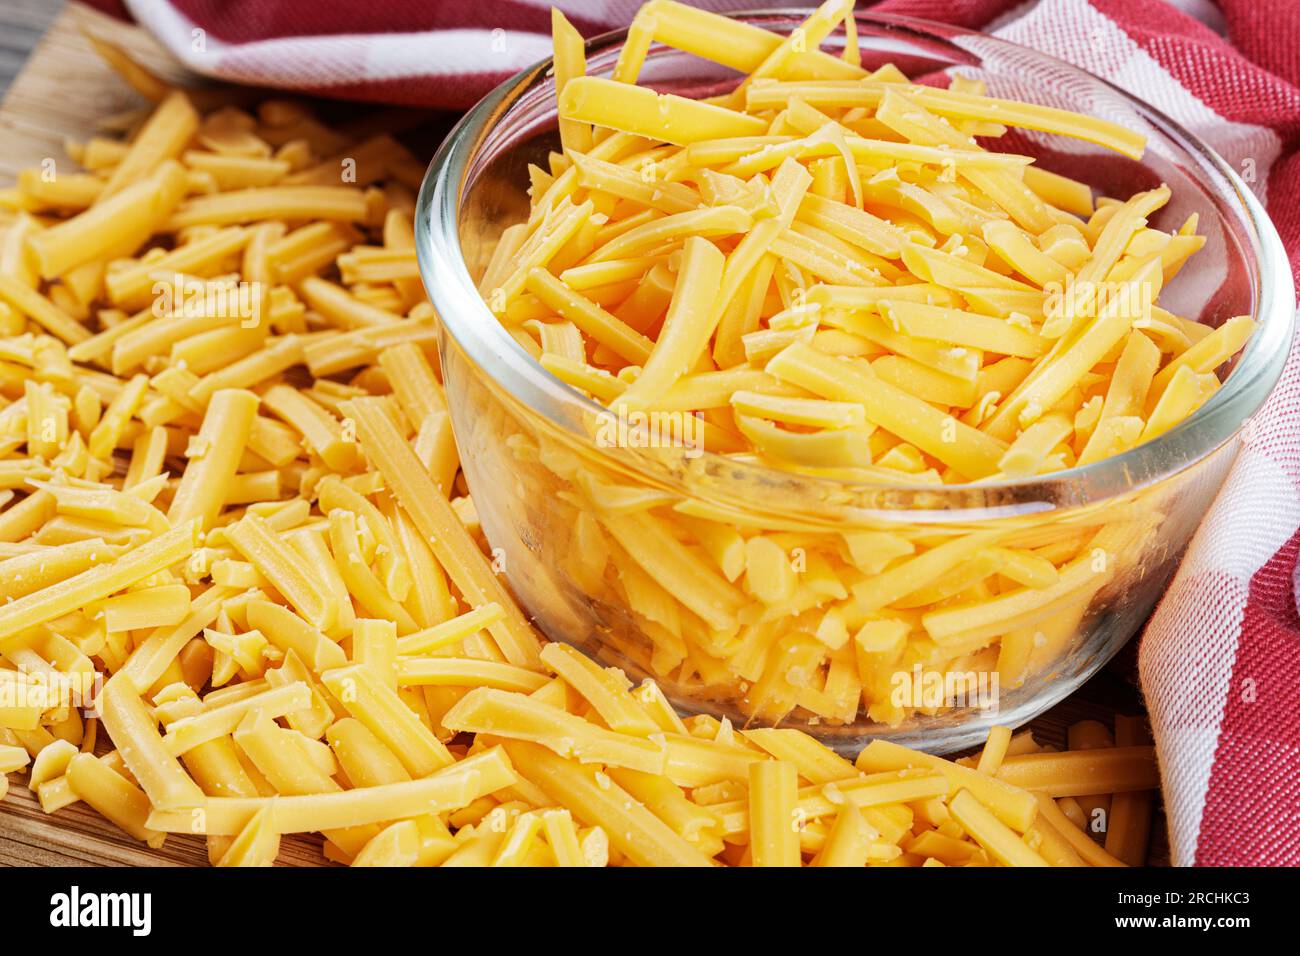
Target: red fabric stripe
1252,809
971,14
114,8
246,21
1158,18
1255,27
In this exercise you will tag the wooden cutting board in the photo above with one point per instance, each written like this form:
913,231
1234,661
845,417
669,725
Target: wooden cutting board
65,91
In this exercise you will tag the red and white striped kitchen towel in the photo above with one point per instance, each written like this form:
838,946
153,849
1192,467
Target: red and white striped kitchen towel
1220,660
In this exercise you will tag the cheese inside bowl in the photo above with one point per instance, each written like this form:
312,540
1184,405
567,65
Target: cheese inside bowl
852,608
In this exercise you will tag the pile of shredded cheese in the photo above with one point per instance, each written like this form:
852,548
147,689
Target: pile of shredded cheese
825,272
233,531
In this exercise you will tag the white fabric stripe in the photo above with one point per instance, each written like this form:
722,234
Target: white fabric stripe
1186,691
176,33
1257,512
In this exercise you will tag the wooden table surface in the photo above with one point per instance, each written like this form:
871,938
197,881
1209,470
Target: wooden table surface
63,90
21,24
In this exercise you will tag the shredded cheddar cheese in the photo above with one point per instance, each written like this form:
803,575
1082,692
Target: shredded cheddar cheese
234,529
826,273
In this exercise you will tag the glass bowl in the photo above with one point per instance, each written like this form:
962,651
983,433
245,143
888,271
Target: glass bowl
609,547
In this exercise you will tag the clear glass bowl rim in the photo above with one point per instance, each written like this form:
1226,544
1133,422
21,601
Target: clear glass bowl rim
490,348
